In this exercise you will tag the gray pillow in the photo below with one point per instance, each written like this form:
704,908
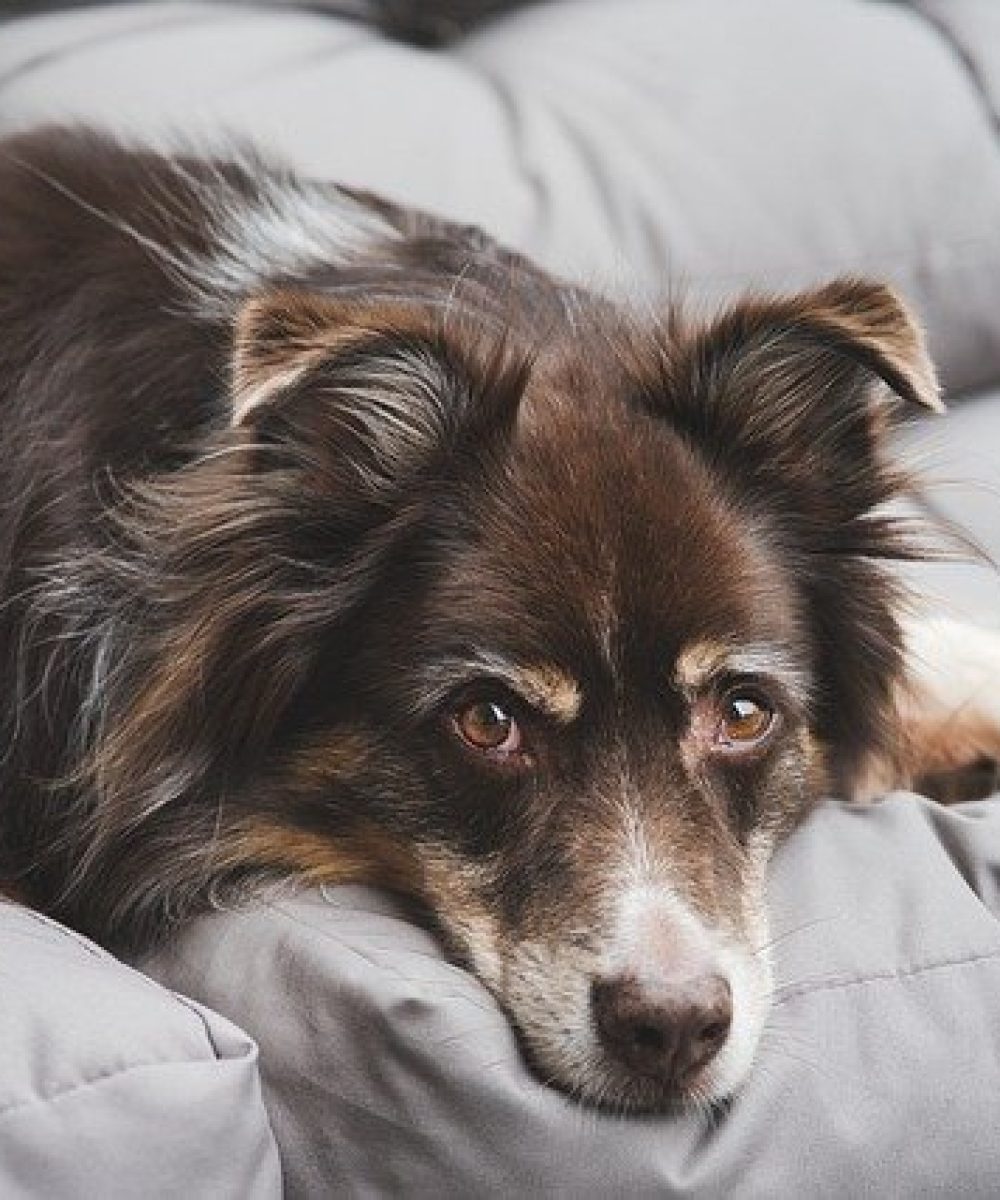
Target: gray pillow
110,1087
388,1071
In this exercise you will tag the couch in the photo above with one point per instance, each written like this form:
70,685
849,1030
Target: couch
649,147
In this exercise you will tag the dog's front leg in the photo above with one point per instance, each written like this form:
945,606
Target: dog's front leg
947,714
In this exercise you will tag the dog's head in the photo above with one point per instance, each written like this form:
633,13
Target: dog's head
559,633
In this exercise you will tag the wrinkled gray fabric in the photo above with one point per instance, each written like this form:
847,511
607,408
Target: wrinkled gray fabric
112,1088
389,1072
703,146
973,27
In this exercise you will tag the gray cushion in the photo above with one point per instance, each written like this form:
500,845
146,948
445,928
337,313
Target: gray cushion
973,27
706,145
389,1072
110,1087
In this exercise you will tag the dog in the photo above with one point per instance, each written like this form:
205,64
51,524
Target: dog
339,543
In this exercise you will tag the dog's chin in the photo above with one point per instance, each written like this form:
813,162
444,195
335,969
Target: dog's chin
616,1093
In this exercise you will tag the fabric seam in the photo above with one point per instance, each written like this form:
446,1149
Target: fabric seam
105,1077
900,975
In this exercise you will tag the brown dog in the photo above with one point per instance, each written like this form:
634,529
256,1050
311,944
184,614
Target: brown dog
339,543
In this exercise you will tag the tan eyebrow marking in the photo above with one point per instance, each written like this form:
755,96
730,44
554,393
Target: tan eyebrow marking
697,663
543,685
700,662
549,688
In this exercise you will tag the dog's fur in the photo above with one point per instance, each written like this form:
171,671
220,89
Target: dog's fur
292,477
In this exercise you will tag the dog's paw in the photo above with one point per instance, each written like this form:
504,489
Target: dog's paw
947,742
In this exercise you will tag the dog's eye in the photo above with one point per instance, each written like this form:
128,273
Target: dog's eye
487,726
746,719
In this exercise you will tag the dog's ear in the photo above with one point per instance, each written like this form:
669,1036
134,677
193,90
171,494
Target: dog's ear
863,322
788,400
283,337
385,387
790,393
254,560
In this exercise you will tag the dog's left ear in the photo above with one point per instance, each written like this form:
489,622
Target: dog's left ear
786,399
863,321
790,392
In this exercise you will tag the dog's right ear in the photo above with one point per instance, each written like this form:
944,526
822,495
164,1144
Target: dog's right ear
260,556
386,387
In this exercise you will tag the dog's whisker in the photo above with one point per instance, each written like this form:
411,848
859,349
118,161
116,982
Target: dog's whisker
805,927
790,989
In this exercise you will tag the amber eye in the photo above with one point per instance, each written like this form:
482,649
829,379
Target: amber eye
746,719
487,726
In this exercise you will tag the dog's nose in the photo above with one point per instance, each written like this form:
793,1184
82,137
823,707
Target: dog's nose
668,1030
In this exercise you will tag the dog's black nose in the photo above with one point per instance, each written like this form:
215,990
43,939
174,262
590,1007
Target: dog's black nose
669,1030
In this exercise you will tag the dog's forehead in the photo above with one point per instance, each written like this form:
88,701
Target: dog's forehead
607,534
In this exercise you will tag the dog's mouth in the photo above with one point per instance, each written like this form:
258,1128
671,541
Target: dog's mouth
669,1024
